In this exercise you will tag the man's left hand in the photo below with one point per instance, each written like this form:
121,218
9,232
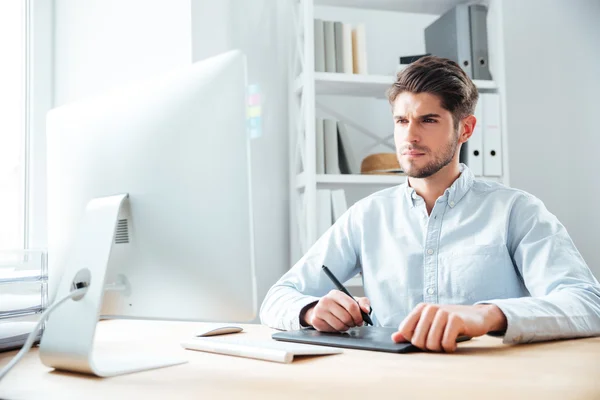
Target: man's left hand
435,327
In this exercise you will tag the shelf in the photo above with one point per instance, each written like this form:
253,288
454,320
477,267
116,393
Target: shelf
411,6
349,84
362,179
23,276
365,180
330,83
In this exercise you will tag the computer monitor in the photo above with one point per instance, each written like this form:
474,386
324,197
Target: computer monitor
149,203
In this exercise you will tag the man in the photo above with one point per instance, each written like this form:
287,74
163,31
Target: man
444,254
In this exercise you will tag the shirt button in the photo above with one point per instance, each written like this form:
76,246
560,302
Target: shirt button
430,290
451,204
430,251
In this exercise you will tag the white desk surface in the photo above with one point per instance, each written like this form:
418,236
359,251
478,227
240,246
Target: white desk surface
482,368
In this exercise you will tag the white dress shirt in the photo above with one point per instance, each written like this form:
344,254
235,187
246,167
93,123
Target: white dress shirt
482,243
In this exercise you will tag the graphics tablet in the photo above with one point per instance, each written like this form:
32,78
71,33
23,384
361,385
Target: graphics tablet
362,338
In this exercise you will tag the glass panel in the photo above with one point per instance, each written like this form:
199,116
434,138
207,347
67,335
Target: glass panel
12,124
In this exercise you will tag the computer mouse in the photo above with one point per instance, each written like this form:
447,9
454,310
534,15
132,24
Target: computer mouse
219,330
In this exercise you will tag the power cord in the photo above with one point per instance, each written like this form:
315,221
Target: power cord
31,338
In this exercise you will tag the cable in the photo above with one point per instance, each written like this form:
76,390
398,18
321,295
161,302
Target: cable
31,338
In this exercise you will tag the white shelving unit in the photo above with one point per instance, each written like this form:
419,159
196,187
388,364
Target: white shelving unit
330,180
329,83
305,87
364,180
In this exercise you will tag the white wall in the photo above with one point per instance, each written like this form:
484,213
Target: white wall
262,30
105,43
552,60
101,44
212,28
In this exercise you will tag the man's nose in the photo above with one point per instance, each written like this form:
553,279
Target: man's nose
412,132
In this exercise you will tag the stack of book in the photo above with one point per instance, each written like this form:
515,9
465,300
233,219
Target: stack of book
23,294
334,152
340,47
331,205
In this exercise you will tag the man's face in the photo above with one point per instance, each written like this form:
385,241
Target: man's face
424,133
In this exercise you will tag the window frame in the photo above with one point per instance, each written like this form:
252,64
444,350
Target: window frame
39,95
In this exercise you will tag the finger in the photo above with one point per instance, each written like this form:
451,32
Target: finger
419,337
322,326
364,303
454,327
323,311
329,304
342,314
408,325
349,304
398,338
335,322
436,332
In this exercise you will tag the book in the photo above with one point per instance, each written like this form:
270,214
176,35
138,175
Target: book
320,139
329,34
411,59
359,49
348,162
324,217
339,46
338,203
347,49
319,46
332,164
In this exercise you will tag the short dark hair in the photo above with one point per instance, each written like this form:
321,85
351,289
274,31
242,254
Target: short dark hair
441,77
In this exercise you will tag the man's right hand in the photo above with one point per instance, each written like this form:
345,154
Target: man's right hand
336,312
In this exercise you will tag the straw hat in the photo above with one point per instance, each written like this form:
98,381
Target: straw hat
381,164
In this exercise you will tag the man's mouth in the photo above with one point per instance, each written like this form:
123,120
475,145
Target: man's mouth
413,154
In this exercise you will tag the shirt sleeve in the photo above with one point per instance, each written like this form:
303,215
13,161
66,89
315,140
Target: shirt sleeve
305,282
565,296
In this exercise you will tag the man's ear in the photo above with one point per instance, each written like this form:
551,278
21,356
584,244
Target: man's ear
467,125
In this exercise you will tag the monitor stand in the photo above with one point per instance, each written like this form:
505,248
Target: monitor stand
68,338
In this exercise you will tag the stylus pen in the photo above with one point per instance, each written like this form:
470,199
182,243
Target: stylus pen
342,289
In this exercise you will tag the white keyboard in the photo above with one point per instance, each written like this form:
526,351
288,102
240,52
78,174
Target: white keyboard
270,350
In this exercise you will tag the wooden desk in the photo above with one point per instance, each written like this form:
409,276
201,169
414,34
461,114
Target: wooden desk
483,368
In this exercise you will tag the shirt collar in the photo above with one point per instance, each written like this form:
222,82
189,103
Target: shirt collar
453,194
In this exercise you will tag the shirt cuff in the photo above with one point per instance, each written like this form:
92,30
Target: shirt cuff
293,313
516,325
303,312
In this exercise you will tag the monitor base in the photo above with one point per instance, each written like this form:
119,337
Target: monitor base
67,343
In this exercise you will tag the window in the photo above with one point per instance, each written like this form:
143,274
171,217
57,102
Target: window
13,125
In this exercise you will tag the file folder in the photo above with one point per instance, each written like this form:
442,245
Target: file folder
492,134
475,144
450,37
461,35
479,43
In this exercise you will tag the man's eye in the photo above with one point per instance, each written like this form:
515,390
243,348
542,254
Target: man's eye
428,120
401,121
